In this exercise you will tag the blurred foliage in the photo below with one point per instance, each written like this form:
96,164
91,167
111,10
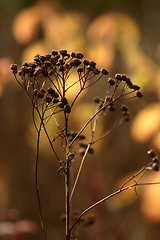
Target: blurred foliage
121,36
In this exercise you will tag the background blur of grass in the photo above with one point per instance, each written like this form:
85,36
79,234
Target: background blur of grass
122,36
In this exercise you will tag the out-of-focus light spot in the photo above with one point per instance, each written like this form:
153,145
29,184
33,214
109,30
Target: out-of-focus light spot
146,123
28,22
5,73
156,141
113,26
150,204
32,50
103,54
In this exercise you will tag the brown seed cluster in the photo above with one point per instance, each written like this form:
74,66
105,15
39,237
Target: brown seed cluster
53,70
155,160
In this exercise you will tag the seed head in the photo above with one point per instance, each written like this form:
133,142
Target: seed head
13,66
79,55
96,71
124,108
86,62
63,52
64,100
118,76
139,94
151,153
111,81
73,54
104,71
48,99
51,91
54,52
40,94
67,108
135,87
155,166
92,63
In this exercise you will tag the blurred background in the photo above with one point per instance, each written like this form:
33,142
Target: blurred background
122,36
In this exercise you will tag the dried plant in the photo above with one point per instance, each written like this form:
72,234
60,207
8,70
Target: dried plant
46,82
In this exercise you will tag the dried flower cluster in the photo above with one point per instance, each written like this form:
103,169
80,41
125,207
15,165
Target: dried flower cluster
46,81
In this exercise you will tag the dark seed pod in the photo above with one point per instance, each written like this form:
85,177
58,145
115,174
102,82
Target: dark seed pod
55,100
73,54
135,87
81,137
111,81
129,83
83,145
42,90
151,153
42,58
48,99
67,66
127,118
86,62
91,150
66,56
14,71
32,64
123,77
155,167
47,64
155,160
75,62
79,55
48,56
61,105
25,64
61,61
35,92
96,71
55,95
64,100
89,68
92,63
111,108
20,73
54,52
67,108
104,71
124,108
139,94
118,76
96,99
40,94
36,58
61,68
51,91
13,67
57,56
63,52
53,60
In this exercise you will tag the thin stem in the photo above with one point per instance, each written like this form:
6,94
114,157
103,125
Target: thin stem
94,115
108,197
36,184
107,133
50,142
83,159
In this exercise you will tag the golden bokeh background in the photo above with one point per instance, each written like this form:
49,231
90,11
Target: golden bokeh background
121,36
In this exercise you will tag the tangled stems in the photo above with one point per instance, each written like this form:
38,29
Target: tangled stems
46,82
